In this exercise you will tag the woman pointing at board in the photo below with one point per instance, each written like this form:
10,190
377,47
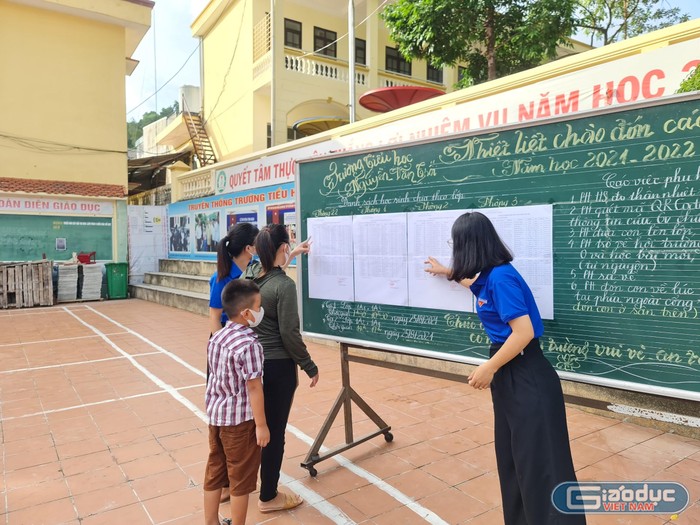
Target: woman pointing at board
284,351
531,437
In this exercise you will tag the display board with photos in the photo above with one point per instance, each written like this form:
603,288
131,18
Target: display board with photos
195,227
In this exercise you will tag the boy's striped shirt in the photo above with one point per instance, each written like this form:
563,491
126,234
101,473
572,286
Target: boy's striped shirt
235,356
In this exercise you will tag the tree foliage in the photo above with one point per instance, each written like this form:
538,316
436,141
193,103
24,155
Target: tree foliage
134,129
608,21
691,82
495,37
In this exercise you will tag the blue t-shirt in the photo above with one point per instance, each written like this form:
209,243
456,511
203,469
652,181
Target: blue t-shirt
501,296
216,287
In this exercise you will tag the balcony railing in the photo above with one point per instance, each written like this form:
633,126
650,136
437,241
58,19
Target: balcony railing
333,70
261,37
156,197
390,79
196,185
262,65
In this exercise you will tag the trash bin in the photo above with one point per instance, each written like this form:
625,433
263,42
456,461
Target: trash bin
117,282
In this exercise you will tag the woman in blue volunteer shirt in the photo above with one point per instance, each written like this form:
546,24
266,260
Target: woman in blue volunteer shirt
531,437
234,258
234,253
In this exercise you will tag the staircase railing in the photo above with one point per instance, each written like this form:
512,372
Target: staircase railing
203,149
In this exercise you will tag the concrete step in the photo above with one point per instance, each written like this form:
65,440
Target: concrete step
187,267
190,283
185,300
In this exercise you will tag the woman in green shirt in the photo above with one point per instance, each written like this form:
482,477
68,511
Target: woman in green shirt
284,350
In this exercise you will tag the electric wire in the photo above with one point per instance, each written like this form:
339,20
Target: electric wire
311,53
50,146
230,64
166,82
212,116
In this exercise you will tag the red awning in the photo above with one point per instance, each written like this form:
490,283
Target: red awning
390,98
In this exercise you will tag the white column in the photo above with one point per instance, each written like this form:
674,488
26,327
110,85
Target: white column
373,52
351,60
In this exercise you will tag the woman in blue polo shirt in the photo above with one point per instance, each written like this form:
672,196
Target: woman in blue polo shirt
531,436
235,258
235,251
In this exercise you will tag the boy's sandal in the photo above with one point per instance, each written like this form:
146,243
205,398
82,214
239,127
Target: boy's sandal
225,521
285,502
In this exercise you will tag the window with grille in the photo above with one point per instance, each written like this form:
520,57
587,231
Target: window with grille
292,33
360,51
434,74
461,72
325,42
396,63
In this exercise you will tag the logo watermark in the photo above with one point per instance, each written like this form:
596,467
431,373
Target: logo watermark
620,497
220,181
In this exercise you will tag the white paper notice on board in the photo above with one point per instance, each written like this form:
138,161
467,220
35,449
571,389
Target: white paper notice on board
429,234
527,231
381,258
330,259
379,243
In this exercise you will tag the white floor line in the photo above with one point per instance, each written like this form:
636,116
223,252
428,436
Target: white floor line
428,515
151,343
19,313
103,402
55,309
56,340
155,379
72,363
327,509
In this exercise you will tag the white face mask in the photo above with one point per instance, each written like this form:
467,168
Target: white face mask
257,317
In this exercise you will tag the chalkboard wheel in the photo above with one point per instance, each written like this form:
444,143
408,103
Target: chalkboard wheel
389,437
313,472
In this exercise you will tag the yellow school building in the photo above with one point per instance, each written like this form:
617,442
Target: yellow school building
63,160
273,74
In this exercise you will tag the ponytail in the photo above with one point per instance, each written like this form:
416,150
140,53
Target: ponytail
268,242
241,235
223,259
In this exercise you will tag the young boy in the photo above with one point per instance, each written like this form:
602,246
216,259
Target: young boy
235,404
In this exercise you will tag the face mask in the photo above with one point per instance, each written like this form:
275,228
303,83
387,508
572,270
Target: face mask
257,317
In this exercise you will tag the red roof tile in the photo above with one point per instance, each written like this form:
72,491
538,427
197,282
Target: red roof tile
56,187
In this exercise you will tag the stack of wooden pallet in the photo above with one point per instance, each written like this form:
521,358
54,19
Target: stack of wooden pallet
26,284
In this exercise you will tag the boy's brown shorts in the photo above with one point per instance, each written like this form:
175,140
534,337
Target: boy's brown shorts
234,455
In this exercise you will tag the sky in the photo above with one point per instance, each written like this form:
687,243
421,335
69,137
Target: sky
161,53
168,44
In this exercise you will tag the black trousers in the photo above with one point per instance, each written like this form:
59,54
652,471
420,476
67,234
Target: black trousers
279,383
532,440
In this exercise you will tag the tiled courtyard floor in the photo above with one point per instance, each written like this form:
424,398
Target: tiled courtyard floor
101,409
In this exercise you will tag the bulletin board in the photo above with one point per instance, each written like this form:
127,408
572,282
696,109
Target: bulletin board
30,237
623,186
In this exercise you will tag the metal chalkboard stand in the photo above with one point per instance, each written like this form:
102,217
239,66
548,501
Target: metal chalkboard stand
347,395
345,398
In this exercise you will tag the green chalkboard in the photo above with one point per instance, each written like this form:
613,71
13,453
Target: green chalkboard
29,237
624,186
